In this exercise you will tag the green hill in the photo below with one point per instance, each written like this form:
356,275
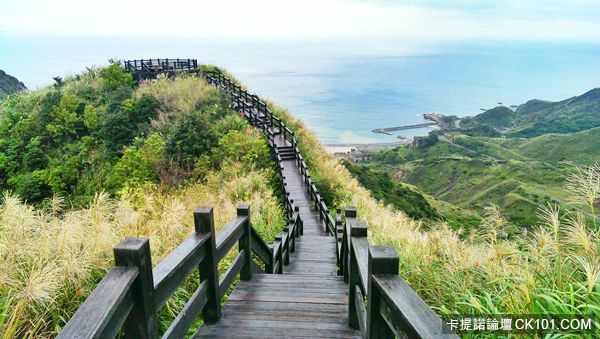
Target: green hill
9,84
537,117
581,147
400,196
98,131
499,117
534,105
516,174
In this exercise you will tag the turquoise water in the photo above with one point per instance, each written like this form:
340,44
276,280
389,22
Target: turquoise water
344,90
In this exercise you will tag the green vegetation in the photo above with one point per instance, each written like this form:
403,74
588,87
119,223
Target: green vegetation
400,196
97,132
9,85
103,159
518,175
537,117
499,117
581,147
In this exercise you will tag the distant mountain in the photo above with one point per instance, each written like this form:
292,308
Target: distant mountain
9,84
534,105
499,117
537,117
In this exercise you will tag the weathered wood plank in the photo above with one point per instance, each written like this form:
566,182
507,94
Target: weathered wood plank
261,249
307,298
271,332
173,270
361,251
290,307
230,234
105,309
231,273
287,326
359,304
188,314
408,314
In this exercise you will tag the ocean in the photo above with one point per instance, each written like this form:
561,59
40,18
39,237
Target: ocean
343,90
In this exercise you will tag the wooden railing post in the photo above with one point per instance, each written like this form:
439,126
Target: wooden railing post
141,322
278,255
204,223
245,243
339,252
357,230
286,245
382,260
300,227
350,214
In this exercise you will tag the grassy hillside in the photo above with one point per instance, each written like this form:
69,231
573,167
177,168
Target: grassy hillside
499,117
537,117
581,147
98,158
385,189
518,175
98,131
9,84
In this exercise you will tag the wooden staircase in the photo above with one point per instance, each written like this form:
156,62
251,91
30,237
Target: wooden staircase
309,300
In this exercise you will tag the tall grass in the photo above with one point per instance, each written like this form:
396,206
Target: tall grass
51,259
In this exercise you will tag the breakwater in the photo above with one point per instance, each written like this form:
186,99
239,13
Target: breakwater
387,130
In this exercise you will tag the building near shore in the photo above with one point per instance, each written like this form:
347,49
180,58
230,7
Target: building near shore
362,152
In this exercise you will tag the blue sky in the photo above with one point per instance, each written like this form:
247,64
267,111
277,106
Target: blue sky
274,20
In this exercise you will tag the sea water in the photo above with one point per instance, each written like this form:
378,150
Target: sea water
343,90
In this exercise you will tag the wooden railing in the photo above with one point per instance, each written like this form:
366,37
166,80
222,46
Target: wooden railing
381,303
258,114
131,294
150,68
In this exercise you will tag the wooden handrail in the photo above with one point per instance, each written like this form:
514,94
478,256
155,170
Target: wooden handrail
150,68
230,234
381,304
104,311
171,271
132,293
262,251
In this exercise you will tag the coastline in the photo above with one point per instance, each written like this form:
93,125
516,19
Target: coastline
365,147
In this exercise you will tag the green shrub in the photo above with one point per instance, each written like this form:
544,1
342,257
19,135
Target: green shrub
114,77
139,163
32,186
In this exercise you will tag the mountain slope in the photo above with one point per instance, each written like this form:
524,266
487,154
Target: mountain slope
400,196
581,147
498,117
516,174
9,84
537,117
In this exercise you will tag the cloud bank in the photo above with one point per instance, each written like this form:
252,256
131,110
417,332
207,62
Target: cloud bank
276,20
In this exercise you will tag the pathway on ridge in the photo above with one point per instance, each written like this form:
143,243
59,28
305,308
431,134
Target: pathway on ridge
308,301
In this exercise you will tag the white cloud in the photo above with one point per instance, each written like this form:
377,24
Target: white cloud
286,20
